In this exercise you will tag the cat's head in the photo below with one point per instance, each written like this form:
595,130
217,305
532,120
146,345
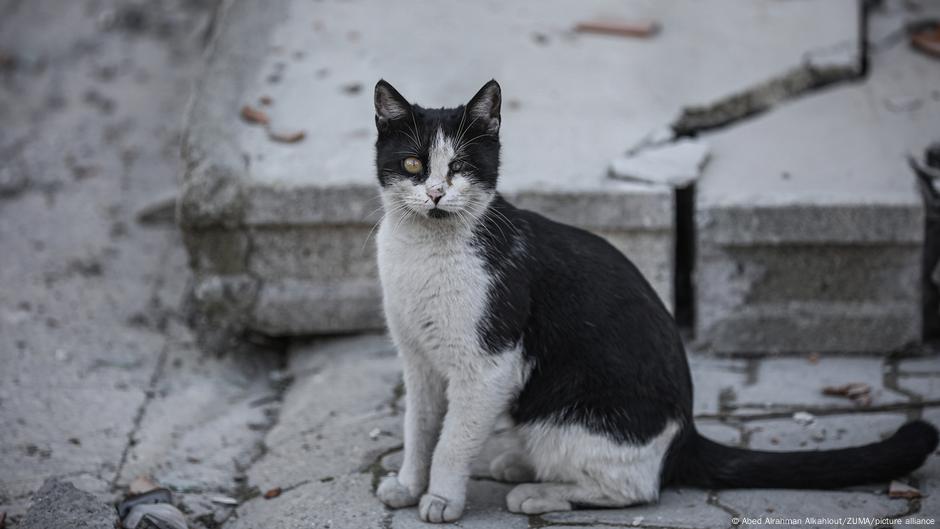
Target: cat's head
437,163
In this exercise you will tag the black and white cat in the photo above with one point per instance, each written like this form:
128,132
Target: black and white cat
495,309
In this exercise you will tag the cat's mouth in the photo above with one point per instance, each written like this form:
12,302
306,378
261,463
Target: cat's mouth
438,213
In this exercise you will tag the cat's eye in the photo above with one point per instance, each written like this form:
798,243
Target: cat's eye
457,166
412,165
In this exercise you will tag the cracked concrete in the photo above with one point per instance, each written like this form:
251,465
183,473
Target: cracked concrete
324,450
101,380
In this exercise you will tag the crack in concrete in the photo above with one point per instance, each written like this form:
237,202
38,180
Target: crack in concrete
787,411
376,468
141,412
793,83
715,501
890,379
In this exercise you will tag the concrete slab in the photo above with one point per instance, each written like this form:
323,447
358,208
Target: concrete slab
677,508
789,385
760,508
809,224
320,451
317,63
824,433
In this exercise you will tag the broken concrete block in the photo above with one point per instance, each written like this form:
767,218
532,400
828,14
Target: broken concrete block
810,228
676,164
293,219
59,505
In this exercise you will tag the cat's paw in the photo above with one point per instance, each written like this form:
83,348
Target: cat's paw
535,498
393,493
511,467
438,509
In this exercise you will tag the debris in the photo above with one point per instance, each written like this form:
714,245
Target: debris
927,40
253,115
901,490
142,484
352,88
157,515
161,210
677,164
287,137
637,520
147,498
804,418
858,392
540,38
265,101
813,358
273,493
60,505
224,500
644,29
375,433
13,179
659,136
903,104
818,435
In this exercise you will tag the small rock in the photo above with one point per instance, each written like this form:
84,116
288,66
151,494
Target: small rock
859,392
352,88
272,493
141,484
287,137
901,490
253,115
677,164
804,418
224,500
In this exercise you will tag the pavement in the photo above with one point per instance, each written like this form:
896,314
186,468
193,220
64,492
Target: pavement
340,431
103,379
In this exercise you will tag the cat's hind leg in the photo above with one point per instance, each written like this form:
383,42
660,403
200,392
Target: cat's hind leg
581,468
537,498
512,466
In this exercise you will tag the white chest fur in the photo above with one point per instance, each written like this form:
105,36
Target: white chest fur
435,289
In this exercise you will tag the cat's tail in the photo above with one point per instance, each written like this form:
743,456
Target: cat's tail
705,463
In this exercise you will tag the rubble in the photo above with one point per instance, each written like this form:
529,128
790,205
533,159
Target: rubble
60,505
676,164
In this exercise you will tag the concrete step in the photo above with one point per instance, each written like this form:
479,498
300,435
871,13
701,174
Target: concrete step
279,233
810,227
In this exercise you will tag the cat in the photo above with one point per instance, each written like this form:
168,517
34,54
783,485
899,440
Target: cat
497,310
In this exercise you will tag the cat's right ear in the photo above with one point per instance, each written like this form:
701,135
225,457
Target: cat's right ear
389,104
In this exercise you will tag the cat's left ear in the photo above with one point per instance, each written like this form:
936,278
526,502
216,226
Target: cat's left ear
485,106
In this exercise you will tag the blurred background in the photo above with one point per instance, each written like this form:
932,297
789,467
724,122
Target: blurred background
188,295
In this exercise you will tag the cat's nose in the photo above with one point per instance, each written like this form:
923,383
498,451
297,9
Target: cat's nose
435,195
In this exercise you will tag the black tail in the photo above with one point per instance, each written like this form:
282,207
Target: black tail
705,463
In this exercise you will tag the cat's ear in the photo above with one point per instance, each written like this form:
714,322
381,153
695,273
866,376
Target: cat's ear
485,106
389,104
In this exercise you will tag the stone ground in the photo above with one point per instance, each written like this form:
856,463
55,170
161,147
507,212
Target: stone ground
103,381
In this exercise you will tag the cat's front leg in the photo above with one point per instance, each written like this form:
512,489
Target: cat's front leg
424,411
476,397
